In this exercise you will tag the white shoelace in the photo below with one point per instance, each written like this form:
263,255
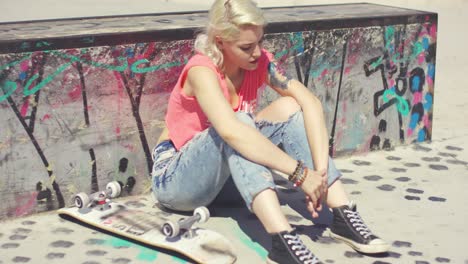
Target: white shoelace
301,251
358,223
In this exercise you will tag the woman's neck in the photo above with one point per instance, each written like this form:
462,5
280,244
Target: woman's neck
233,73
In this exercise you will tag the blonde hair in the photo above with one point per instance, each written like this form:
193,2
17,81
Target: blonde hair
226,17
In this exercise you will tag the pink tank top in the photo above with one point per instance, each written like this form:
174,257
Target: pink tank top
185,118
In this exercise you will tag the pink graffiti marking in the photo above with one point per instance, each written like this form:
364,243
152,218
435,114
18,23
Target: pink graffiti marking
28,206
25,107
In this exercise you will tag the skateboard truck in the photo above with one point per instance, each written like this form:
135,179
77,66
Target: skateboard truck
99,199
173,229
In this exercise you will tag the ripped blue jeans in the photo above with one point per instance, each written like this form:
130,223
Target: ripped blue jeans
194,176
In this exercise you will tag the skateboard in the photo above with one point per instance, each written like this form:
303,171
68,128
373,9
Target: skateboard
152,227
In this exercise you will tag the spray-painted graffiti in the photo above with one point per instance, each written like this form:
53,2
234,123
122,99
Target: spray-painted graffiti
75,119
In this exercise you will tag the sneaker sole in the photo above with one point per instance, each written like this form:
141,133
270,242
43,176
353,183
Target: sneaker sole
368,249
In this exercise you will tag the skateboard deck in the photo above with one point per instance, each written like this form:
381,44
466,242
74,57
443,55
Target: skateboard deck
146,226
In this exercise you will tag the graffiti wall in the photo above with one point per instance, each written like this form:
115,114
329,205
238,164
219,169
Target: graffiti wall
74,119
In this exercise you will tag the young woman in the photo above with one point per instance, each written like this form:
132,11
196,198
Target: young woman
214,132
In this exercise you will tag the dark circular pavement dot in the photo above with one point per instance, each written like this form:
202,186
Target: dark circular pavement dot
61,244
402,244
373,177
135,204
10,245
393,158
393,254
380,262
96,253
55,256
294,218
352,254
94,241
329,261
62,230
346,171
28,223
412,198
411,190
454,148
437,199
415,253
24,231
91,262
355,192
418,147
21,259
431,159
361,163
403,179
442,260
445,154
348,181
421,262
412,165
398,169
18,237
457,162
438,167
386,187
121,261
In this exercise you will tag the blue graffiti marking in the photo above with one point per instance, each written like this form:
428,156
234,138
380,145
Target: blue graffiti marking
414,120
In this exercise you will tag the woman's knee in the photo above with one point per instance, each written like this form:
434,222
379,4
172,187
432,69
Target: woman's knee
279,110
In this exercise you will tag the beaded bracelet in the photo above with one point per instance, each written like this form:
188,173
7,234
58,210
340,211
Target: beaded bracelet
298,171
301,180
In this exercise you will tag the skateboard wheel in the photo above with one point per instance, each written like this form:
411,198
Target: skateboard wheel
203,213
170,229
114,189
81,200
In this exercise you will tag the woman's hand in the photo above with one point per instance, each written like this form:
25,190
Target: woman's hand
315,187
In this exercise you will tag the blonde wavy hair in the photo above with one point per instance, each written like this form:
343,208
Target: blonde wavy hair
226,17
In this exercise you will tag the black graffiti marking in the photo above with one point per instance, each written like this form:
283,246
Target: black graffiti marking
415,191
29,128
340,83
438,167
123,164
437,199
403,179
55,256
62,244
373,177
412,198
306,60
386,187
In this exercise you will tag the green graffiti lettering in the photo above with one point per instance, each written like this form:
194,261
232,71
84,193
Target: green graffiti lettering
402,104
48,79
8,89
135,65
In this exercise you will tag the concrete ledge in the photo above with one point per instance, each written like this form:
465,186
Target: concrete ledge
82,100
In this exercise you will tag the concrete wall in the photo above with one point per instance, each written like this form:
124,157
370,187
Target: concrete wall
75,118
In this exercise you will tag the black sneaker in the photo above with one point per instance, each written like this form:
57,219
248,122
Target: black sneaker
349,227
288,248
